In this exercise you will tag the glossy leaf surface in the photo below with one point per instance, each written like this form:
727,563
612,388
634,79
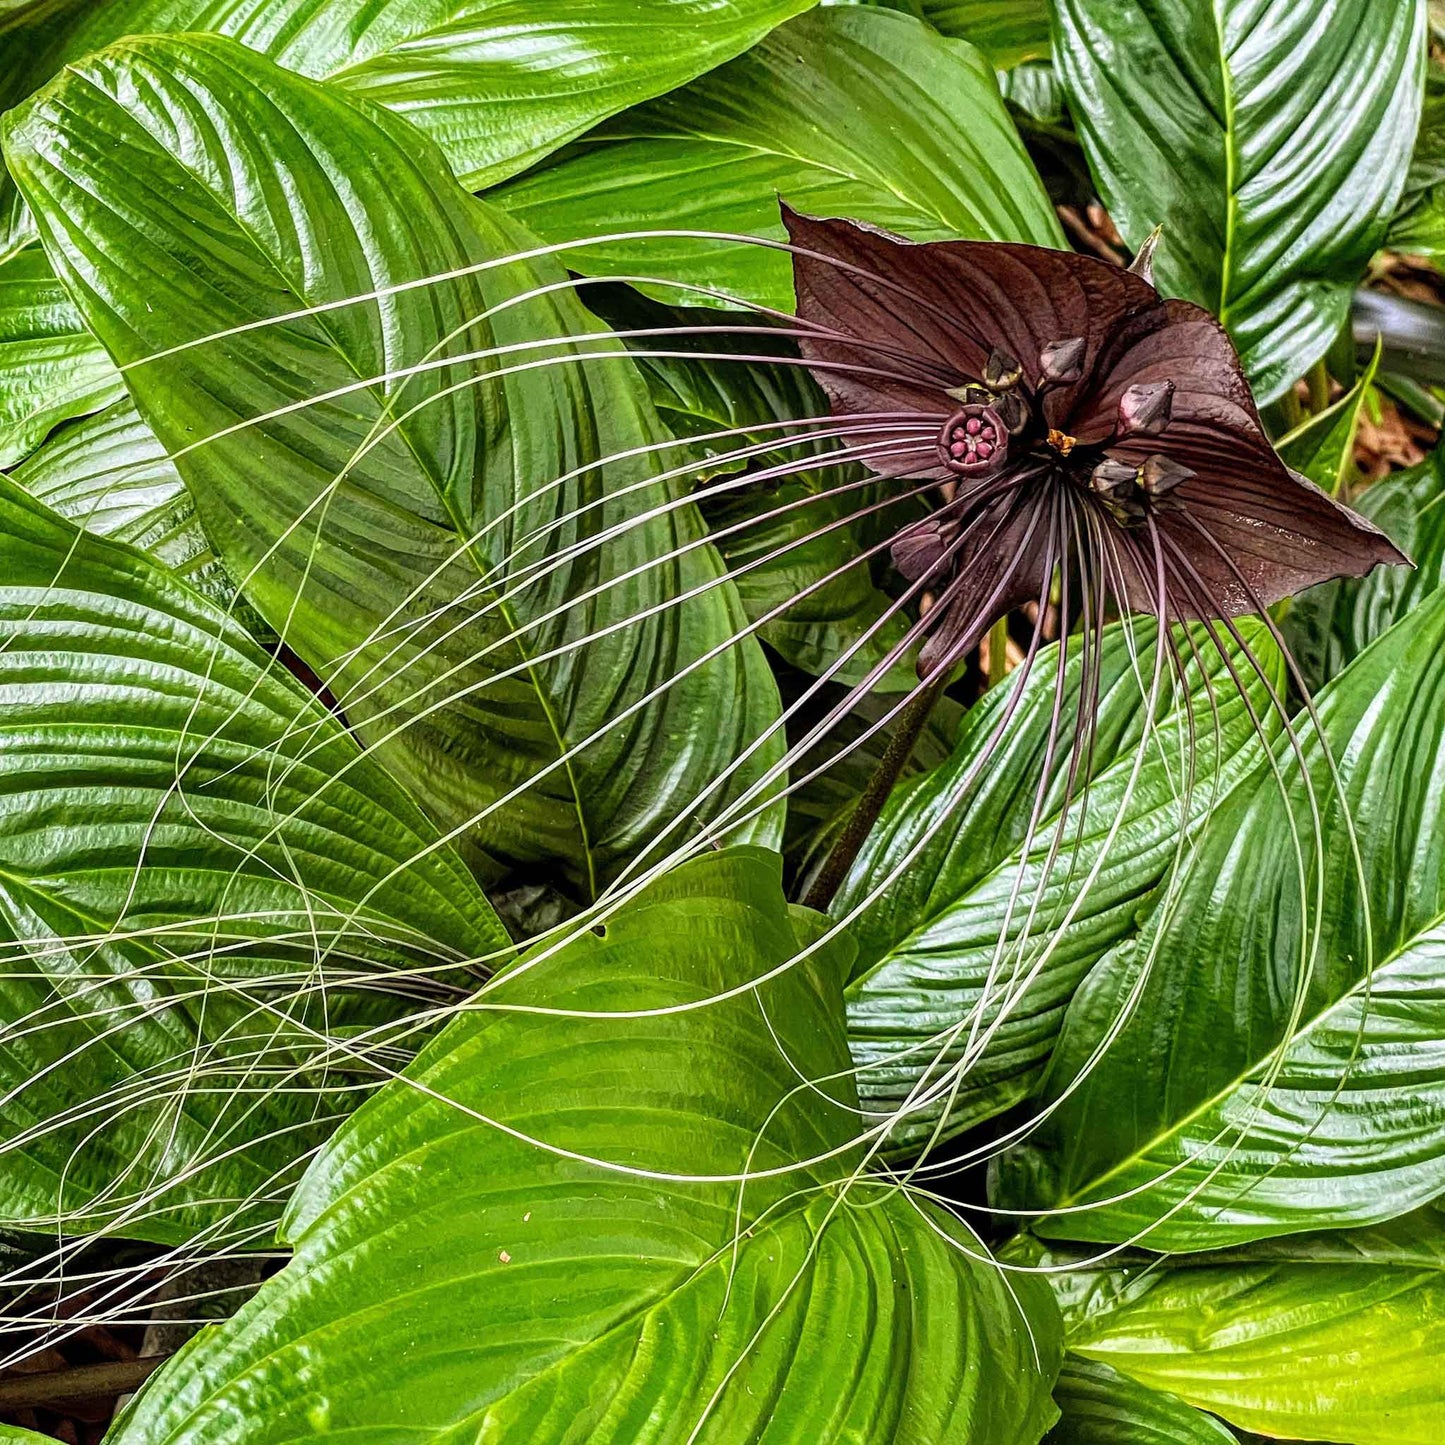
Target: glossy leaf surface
847,111
538,1235
198,871
1099,1406
1271,1079
529,639
496,83
936,1005
1270,139
51,367
1328,1337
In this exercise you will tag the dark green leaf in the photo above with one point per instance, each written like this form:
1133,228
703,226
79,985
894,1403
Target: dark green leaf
1334,1337
936,1004
535,1237
1329,626
796,557
1419,224
1269,138
847,111
392,507
51,367
1007,31
1099,1406
496,83
199,871
1272,1080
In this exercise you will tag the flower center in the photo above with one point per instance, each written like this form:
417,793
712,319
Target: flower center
974,440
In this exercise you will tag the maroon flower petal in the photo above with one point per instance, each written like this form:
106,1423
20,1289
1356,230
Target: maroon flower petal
947,304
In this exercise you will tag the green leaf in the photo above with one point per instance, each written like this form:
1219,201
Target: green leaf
1269,1080
790,540
51,367
496,83
1270,139
847,111
1323,447
536,1236
109,474
388,484
1007,31
1099,1406
1334,1337
200,875
1419,224
1329,626
941,1017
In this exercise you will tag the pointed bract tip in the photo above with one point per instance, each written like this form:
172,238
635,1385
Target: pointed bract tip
1143,263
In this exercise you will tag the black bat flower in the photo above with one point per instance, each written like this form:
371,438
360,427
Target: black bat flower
1079,416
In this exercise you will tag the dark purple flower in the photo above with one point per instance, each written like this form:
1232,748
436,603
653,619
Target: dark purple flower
1080,417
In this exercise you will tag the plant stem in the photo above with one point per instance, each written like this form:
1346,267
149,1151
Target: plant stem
51,1388
1290,409
1319,384
873,797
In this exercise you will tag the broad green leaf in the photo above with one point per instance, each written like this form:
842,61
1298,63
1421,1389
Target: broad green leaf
200,875
794,541
1323,446
51,367
1419,224
1269,1079
535,1236
496,83
530,634
1007,31
109,474
1269,138
1329,626
847,111
14,1435
937,1006
1332,1337
1099,1406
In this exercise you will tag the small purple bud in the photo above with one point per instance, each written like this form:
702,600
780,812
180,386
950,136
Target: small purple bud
1063,361
1001,372
972,442
1160,475
1145,409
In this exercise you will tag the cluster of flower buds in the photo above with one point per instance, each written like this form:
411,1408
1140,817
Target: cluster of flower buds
1127,490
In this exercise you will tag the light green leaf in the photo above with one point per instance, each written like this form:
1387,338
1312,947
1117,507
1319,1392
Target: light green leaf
51,367
109,474
847,111
397,532
1099,1406
1269,1080
1269,138
1323,446
535,1236
496,83
1007,31
1334,1337
199,875
940,1016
